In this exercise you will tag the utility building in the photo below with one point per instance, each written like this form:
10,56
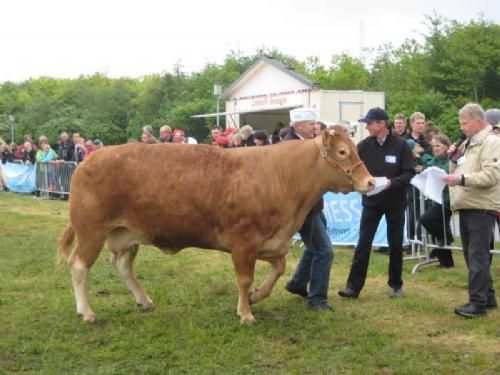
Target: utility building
265,93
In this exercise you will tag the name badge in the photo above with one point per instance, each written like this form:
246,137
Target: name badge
390,159
461,160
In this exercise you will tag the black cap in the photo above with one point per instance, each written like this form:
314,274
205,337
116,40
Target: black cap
375,114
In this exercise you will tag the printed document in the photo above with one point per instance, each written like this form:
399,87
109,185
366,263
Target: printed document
430,182
380,184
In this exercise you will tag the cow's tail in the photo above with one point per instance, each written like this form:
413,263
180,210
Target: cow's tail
66,244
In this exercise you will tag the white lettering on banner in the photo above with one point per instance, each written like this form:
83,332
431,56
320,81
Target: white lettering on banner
343,211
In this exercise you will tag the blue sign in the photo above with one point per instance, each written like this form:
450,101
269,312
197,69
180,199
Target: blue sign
343,215
21,178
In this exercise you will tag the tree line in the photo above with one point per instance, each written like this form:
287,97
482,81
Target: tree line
456,63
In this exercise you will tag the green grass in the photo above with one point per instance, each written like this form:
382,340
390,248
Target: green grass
194,329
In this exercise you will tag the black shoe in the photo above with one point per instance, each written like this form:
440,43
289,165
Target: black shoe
470,310
294,290
348,293
396,293
322,306
492,303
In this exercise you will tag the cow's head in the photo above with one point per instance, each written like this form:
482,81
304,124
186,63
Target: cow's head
338,150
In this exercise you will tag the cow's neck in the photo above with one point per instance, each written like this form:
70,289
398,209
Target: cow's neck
307,180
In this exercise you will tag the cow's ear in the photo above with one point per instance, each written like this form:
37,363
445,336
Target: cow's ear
325,136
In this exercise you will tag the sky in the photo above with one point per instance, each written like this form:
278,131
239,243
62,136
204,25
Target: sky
70,38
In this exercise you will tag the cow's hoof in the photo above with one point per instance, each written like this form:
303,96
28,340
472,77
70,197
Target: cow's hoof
88,317
248,320
146,305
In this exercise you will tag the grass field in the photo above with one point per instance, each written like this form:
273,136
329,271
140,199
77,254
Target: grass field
193,328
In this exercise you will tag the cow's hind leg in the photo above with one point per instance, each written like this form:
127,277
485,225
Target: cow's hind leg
84,256
278,268
123,262
244,265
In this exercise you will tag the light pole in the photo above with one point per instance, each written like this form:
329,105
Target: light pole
11,120
217,92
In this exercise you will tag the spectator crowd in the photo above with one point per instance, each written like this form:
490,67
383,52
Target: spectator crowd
69,149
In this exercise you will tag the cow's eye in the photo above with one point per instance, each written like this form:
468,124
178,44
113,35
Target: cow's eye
342,152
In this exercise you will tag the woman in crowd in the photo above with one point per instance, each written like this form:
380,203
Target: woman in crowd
261,138
79,148
29,154
47,153
89,148
436,220
147,135
247,137
39,153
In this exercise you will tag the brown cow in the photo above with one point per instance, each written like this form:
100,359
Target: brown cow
202,196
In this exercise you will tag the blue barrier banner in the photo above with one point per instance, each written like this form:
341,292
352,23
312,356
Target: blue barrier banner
343,214
21,178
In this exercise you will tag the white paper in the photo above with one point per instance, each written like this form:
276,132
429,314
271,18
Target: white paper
380,184
430,182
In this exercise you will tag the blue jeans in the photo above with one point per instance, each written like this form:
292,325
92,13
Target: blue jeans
316,262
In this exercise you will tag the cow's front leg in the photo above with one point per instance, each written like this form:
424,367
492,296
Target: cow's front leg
278,268
244,265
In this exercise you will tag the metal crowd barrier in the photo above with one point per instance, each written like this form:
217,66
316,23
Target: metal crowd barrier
420,241
54,178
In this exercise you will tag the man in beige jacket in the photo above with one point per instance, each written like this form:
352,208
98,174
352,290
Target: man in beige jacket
474,182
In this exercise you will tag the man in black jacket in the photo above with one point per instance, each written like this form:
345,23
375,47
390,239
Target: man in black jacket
385,155
66,150
315,264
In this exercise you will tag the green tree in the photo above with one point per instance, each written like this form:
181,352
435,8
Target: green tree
464,59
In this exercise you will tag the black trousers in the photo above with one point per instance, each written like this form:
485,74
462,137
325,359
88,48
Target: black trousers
436,221
370,218
476,228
